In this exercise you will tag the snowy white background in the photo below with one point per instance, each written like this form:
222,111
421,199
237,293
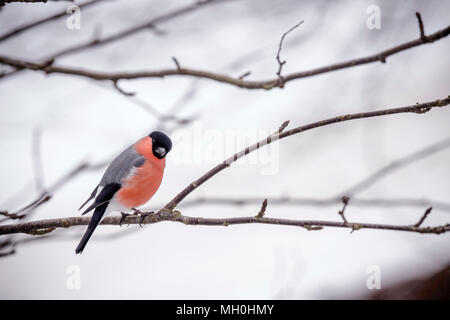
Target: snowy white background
82,119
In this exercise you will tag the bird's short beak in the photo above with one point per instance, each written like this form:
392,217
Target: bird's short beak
160,151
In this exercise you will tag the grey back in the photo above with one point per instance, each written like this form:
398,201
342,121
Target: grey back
121,166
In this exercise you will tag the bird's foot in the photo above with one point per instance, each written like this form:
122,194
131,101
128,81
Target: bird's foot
135,211
124,216
143,216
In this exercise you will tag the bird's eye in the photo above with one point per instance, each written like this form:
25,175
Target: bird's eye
159,152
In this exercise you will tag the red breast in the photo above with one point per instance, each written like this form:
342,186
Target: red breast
143,184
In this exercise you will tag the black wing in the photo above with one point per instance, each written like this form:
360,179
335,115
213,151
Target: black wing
100,204
90,197
104,196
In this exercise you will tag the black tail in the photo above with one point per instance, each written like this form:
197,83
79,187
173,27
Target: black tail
95,220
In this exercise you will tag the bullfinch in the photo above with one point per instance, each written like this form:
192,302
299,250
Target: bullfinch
131,180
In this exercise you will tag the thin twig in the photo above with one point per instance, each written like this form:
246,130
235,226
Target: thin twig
177,63
125,93
281,63
421,27
41,199
11,216
246,74
341,212
262,211
424,216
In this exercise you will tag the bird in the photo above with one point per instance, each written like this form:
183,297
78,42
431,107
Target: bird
130,180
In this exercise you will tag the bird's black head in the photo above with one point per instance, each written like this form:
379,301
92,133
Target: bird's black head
161,144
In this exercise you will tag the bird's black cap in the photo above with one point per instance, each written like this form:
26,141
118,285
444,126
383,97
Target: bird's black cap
160,141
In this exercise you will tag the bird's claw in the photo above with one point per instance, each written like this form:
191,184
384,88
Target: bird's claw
143,216
122,219
135,211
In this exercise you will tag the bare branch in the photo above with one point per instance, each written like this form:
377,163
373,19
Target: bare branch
246,74
167,213
41,199
176,216
225,164
12,216
247,84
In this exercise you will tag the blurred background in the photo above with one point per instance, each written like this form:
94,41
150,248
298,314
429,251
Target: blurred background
52,124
